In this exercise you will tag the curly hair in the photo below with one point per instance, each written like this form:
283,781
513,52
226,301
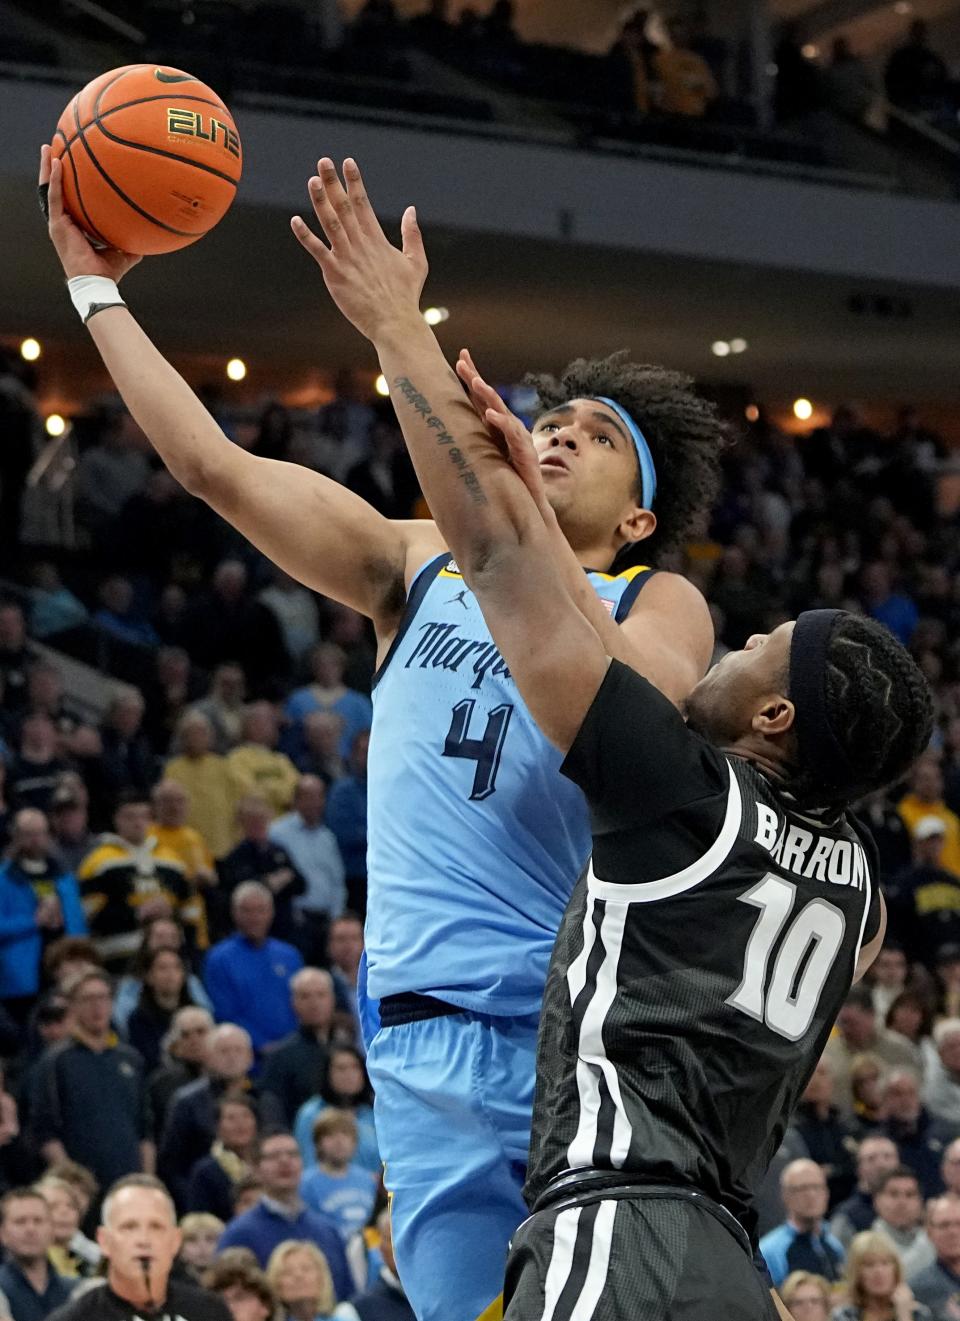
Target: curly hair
685,436
879,706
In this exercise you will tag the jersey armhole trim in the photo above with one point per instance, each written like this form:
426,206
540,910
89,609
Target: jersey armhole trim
626,602
418,590
647,892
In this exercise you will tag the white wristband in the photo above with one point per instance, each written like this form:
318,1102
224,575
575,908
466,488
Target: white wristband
92,293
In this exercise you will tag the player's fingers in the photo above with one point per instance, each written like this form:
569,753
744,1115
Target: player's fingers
338,197
362,207
317,249
413,240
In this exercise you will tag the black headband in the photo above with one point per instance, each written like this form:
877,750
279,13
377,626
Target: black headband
821,755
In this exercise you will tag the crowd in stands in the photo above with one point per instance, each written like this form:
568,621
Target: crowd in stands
202,832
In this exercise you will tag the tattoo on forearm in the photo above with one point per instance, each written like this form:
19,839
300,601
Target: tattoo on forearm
424,409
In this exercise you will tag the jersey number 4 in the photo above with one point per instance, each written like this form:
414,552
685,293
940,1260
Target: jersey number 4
486,751
807,952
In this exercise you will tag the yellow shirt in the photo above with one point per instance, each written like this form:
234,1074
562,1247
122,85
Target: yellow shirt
213,798
912,810
258,770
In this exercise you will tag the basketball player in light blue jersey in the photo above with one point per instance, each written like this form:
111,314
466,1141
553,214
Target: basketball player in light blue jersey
475,839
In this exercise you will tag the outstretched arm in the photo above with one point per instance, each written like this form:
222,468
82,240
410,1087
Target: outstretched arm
318,531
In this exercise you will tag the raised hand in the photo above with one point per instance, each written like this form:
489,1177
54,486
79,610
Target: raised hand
505,427
374,284
77,254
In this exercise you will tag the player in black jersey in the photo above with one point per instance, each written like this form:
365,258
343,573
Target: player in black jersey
731,900
140,1240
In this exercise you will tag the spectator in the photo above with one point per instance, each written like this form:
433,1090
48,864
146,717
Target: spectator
337,1185
888,977
920,1137
950,1169
256,765
911,1017
128,879
38,765
806,1296
899,1209
232,1158
384,1299
158,933
38,903
925,799
32,1288
191,1125
347,818
292,1068
207,779
938,1286
119,614
300,1277
875,1283
71,836
199,1236
828,1139
313,850
70,1119
941,1093
71,1253
328,692
242,1286
253,958
925,900
225,624
258,857
224,706
344,1086
184,1057
138,1225
876,1155
127,760
315,745
916,77
280,1214
857,1033
295,609
803,1242
164,992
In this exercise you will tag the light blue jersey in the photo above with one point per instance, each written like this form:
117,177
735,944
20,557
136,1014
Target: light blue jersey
475,840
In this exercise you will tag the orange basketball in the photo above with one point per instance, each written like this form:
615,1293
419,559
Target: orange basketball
151,159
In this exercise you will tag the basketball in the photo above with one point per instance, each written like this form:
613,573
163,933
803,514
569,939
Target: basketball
151,159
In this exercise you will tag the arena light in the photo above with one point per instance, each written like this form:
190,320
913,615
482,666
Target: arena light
381,387
236,369
738,345
752,413
434,315
720,348
802,410
55,425
30,350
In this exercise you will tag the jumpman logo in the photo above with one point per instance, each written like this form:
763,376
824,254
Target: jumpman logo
459,597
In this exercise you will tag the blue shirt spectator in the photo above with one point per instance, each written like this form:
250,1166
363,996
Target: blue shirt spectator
38,904
248,974
281,1214
313,849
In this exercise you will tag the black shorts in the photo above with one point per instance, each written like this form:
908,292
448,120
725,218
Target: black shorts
650,1258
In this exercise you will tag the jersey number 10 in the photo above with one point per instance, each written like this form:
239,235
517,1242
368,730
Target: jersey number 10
486,751
807,952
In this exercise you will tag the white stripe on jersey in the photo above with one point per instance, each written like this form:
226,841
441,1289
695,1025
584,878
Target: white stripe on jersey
698,871
591,1052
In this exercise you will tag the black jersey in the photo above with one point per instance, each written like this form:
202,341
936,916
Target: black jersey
183,1303
701,962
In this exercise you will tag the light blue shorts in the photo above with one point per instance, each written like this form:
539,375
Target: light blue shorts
453,1102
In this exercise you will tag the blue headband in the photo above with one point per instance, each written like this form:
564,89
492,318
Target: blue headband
648,473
